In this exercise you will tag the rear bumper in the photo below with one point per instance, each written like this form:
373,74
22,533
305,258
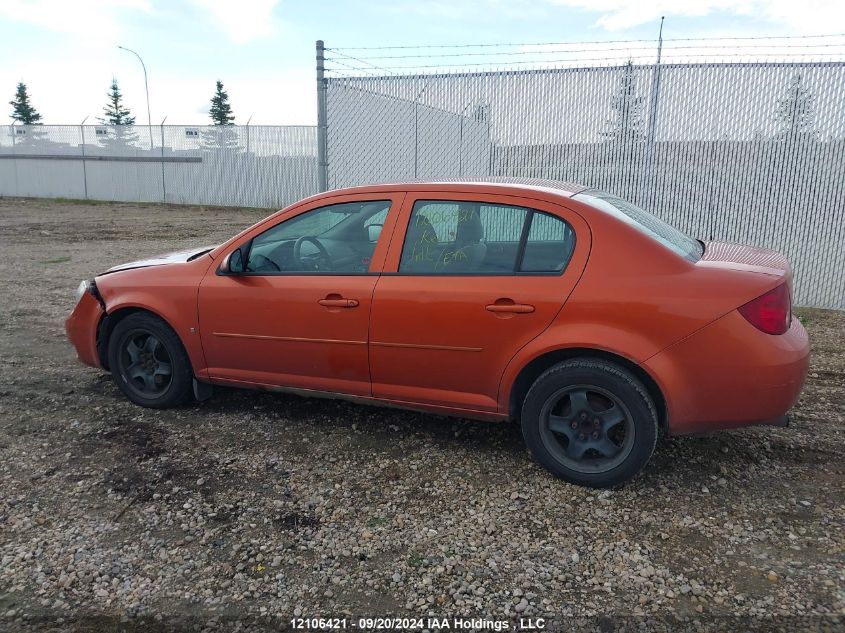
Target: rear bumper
81,327
729,374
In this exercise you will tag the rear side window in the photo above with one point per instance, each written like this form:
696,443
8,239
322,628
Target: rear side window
666,234
454,238
549,245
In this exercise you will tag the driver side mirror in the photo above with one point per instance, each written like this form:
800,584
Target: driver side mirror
234,263
374,231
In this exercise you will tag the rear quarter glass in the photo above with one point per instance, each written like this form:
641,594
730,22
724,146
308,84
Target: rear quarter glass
662,232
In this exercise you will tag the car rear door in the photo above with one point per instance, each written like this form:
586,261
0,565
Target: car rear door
468,281
283,324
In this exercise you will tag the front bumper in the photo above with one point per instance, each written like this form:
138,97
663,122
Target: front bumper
781,421
729,374
81,327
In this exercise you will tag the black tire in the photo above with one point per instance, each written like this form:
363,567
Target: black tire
566,413
148,362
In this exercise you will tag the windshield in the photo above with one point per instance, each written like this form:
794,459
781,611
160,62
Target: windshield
666,234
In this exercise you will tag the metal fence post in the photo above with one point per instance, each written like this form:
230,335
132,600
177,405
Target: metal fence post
163,186
416,139
247,133
322,122
417,130
491,156
647,189
14,152
461,146
84,167
711,175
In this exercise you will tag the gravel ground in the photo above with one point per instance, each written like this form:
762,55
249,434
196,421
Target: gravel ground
251,509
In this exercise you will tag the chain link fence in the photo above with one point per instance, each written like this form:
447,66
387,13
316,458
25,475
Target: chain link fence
256,166
742,152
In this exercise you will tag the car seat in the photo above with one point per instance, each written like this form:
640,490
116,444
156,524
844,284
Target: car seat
470,249
420,252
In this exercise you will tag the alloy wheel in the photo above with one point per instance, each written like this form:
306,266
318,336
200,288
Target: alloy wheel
145,364
587,428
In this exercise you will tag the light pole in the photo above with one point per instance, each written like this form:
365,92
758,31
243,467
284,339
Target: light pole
147,88
84,168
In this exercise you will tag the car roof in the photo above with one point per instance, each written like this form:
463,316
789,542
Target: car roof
499,184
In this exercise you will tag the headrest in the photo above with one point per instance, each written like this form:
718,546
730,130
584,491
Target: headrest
469,227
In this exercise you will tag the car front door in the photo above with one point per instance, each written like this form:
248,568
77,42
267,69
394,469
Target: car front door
298,314
474,280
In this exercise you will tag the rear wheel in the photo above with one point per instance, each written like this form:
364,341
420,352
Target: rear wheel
590,422
148,363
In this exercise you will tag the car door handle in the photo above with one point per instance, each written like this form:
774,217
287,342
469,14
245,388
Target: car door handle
338,303
511,308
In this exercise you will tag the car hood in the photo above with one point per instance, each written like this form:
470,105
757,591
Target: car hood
160,260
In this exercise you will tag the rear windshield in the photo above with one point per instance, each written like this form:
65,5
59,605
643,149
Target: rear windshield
666,234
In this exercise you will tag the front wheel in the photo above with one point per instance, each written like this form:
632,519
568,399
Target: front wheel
590,422
148,363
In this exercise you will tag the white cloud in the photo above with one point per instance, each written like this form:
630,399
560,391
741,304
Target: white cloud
243,20
97,19
807,16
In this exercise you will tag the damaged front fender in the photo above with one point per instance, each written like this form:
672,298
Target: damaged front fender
82,328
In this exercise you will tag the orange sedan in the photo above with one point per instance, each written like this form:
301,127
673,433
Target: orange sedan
592,322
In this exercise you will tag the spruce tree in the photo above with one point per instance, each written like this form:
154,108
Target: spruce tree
116,113
796,111
22,109
220,111
626,124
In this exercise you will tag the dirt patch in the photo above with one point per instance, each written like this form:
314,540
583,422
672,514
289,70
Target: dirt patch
295,521
141,440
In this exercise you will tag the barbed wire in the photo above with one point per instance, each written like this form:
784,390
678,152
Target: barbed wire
357,59
666,59
513,44
591,50
640,50
345,65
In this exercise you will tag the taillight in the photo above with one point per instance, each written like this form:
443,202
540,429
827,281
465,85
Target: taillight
770,313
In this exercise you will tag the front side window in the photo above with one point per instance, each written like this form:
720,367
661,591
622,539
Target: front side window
452,237
337,239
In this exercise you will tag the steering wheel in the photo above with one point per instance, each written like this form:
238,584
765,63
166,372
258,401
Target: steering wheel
322,252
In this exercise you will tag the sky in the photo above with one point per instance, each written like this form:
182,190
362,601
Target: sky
66,51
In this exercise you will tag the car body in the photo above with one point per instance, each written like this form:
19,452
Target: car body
457,297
